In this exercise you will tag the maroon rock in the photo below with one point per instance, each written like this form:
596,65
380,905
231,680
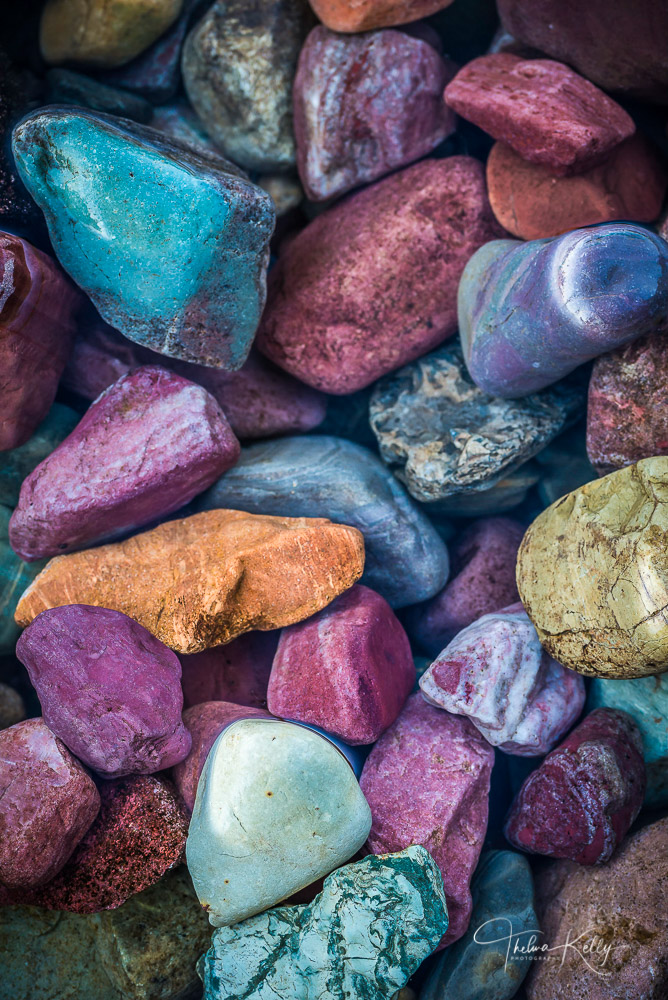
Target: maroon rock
542,109
348,669
237,672
146,447
38,308
47,803
108,688
427,782
374,279
365,105
581,801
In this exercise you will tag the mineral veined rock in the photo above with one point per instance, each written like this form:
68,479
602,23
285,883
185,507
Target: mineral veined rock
237,672
190,285
529,313
18,463
277,807
364,935
363,15
205,579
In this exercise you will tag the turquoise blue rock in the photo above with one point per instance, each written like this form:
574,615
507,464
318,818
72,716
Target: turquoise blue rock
362,938
19,462
646,699
15,576
503,915
172,247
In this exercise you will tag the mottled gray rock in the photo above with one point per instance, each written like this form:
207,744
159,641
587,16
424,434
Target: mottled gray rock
446,436
363,937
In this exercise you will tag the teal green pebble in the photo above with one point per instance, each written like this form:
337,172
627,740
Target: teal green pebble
364,936
19,463
646,699
171,246
15,576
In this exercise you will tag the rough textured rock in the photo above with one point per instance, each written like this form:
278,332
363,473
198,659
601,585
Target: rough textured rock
18,463
12,707
47,803
427,782
108,688
238,65
581,801
149,444
365,105
364,935
15,576
496,673
592,575
363,15
531,202
277,807
190,285
66,87
374,279
237,672
444,436
38,309
529,313
205,579
323,476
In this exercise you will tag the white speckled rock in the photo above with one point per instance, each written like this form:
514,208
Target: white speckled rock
277,807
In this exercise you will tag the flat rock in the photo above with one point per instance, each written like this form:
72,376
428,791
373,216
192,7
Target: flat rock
66,87
182,580
364,935
277,807
15,576
18,463
529,313
363,15
237,672
369,312
190,285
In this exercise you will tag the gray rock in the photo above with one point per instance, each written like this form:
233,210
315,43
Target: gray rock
66,87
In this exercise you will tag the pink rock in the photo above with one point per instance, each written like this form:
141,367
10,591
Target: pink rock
348,669
585,795
237,672
108,688
427,782
497,674
47,803
205,723
374,279
365,105
146,447
542,109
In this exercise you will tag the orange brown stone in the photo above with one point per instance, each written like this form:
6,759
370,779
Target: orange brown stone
363,15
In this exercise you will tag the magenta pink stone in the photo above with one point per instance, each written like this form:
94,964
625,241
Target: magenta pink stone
427,782
585,795
108,688
348,669
237,672
47,803
146,447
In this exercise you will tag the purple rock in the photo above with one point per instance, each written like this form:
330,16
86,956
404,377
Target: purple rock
109,689
237,672
146,447
497,674
47,803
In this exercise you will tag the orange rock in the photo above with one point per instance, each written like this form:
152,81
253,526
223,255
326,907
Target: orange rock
203,580
363,15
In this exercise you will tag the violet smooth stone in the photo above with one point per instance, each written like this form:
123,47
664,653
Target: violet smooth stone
427,782
108,688
47,803
581,801
348,669
530,313
205,723
497,674
237,672
148,445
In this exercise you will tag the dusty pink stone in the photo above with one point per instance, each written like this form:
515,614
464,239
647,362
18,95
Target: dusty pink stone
542,109
237,672
348,669
374,279
108,688
497,674
585,795
427,782
146,447
47,802
365,105
205,723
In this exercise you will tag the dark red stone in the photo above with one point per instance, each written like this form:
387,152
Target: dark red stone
237,672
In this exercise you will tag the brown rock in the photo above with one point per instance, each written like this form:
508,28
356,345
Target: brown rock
12,709
362,15
205,579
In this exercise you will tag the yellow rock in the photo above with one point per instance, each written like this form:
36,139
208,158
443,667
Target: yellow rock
592,572
203,580
103,33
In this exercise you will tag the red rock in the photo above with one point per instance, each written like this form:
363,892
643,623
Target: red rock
362,15
237,672
532,203
542,109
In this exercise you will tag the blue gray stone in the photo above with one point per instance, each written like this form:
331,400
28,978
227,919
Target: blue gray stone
321,476
19,462
67,87
15,576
